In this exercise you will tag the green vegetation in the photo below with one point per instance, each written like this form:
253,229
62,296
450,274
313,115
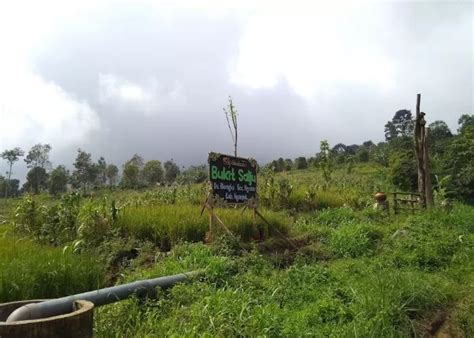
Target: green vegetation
354,271
330,265
32,271
376,285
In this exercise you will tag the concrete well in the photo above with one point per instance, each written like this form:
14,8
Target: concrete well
78,323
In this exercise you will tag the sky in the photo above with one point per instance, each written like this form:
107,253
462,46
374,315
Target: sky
117,78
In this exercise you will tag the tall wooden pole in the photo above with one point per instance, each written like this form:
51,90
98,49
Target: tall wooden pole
419,138
426,160
425,188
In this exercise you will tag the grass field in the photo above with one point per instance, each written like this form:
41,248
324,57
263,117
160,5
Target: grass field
371,281
349,270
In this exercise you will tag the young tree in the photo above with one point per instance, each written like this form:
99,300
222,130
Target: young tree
112,174
58,180
11,156
171,171
153,172
231,116
326,161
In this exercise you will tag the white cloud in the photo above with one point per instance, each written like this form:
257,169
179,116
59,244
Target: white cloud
32,109
151,98
312,45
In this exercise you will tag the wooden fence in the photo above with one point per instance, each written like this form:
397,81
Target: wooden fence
406,201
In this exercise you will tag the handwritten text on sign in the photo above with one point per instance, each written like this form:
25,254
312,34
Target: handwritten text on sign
233,179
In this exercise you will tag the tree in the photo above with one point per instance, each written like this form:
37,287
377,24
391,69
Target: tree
85,172
288,164
368,144
132,172
137,160
339,148
459,165
325,161
352,149
301,163
101,171
11,156
112,174
362,155
274,166
440,130
281,164
464,122
380,154
438,137
153,172
194,174
402,125
130,177
403,170
36,180
231,115
13,186
340,152
38,161
171,171
38,156
58,180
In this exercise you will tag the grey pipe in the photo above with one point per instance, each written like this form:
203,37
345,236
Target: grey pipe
99,297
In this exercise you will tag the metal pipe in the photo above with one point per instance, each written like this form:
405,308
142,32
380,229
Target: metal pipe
99,297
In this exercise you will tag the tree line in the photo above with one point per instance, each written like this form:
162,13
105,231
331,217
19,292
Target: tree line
88,174
452,161
452,156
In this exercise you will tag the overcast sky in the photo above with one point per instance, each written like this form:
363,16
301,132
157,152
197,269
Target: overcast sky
151,77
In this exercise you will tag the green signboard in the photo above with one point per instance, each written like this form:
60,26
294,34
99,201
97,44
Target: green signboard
233,179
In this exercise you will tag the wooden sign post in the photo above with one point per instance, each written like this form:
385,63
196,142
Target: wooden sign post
234,181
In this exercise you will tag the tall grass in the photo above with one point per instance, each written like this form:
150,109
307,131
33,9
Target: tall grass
32,271
173,223
246,296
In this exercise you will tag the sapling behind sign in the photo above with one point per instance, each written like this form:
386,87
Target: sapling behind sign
233,179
